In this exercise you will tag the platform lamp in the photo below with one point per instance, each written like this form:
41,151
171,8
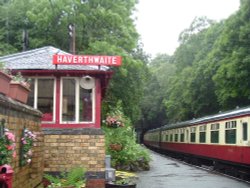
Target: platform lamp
109,172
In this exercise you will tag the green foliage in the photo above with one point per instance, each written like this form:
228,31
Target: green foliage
132,156
208,72
102,27
75,177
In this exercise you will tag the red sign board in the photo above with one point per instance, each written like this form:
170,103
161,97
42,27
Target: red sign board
87,60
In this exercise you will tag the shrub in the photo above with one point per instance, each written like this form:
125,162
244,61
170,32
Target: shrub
132,156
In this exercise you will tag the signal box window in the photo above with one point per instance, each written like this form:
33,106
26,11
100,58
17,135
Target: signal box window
41,97
77,102
214,133
69,100
230,134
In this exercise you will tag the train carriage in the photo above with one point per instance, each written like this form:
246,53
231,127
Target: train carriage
221,140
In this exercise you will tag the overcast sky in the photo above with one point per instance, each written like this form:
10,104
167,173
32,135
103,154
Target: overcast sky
160,22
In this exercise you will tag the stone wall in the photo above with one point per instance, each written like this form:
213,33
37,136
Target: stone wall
17,117
69,148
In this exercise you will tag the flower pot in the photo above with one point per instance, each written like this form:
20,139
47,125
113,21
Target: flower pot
112,185
115,147
4,83
19,92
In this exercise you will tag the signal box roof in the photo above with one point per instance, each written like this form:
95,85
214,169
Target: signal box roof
41,59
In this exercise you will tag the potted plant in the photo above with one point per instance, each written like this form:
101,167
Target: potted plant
123,180
5,79
115,120
19,88
75,178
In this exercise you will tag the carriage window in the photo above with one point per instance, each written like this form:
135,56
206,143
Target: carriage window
214,133
192,134
171,137
245,129
176,137
203,133
230,132
166,138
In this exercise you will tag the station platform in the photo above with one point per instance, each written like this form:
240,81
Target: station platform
170,173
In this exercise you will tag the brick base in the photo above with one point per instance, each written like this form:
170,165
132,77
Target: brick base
68,148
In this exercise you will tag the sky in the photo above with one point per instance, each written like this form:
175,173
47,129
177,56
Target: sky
159,22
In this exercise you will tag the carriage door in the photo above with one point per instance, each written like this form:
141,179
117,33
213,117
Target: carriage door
245,132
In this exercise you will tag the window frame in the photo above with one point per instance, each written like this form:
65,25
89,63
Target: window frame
193,134
202,133
215,129
230,128
35,102
77,102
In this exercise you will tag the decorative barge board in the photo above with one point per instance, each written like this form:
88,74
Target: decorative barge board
68,91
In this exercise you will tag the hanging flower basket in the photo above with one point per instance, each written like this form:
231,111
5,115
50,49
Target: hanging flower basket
116,147
18,91
4,83
114,122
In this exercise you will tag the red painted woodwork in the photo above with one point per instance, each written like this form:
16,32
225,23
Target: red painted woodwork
98,104
238,154
69,125
97,117
102,79
57,106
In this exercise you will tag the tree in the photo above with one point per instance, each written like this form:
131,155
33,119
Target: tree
102,27
232,77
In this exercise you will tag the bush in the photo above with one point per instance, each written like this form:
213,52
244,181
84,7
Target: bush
132,156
